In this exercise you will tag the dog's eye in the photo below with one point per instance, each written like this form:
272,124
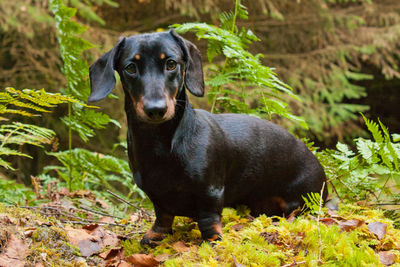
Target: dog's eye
171,64
131,68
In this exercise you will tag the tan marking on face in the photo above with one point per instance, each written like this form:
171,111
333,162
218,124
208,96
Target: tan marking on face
162,56
138,106
137,56
171,102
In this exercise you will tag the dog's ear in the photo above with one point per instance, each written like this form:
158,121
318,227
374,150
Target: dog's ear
194,80
101,73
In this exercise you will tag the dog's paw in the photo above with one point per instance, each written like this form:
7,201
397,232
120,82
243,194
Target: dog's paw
152,238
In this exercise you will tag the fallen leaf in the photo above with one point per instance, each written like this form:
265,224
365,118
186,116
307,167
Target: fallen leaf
377,228
237,227
142,260
328,221
124,264
162,257
90,227
39,264
87,243
350,224
180,246
88,247
386,257
106,255
4,219
107,238
15,253
136,217
271,238
102,203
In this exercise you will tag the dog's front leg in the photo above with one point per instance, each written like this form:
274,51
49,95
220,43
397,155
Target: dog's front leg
209,215
161,227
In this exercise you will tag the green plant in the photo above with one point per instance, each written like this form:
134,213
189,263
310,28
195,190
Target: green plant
95,171
76,70
312,202
26,103
372,172
241,84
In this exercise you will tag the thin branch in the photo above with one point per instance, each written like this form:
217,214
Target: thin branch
319,230
127,202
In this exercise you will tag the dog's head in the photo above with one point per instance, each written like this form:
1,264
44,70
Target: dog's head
153,69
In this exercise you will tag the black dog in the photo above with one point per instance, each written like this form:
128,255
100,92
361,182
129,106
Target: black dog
191,162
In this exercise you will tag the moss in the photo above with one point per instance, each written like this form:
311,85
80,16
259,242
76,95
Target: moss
267,241
50,244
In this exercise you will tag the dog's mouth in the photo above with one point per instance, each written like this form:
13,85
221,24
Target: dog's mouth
142,116
154,121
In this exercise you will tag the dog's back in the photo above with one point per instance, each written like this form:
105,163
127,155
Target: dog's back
268,169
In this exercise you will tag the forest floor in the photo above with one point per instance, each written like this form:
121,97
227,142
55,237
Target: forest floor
76,229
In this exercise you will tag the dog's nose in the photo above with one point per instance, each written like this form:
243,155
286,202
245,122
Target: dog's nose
155,109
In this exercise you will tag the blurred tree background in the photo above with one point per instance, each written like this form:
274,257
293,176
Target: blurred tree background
340,56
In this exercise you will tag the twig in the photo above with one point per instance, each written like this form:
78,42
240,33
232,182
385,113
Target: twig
99,212
319,231
127,202
334,189
93,221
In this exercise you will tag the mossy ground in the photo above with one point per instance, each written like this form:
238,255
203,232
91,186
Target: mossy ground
266,241
261,241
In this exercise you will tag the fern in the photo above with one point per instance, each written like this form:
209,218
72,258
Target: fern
242,78
94,171
26,103
312,202
29,102
76,71
372,172
14,194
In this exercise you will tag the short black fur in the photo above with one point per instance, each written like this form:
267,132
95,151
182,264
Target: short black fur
191,162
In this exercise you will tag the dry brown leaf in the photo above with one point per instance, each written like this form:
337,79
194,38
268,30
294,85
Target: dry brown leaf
102,203
106,255
39,264
271,238
328,221
107,238
350,224
237,227
124,264
90,227
180,246
114,257
377,228
162,257
136,217
386,257
87,243
142,260
15,253
4,219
